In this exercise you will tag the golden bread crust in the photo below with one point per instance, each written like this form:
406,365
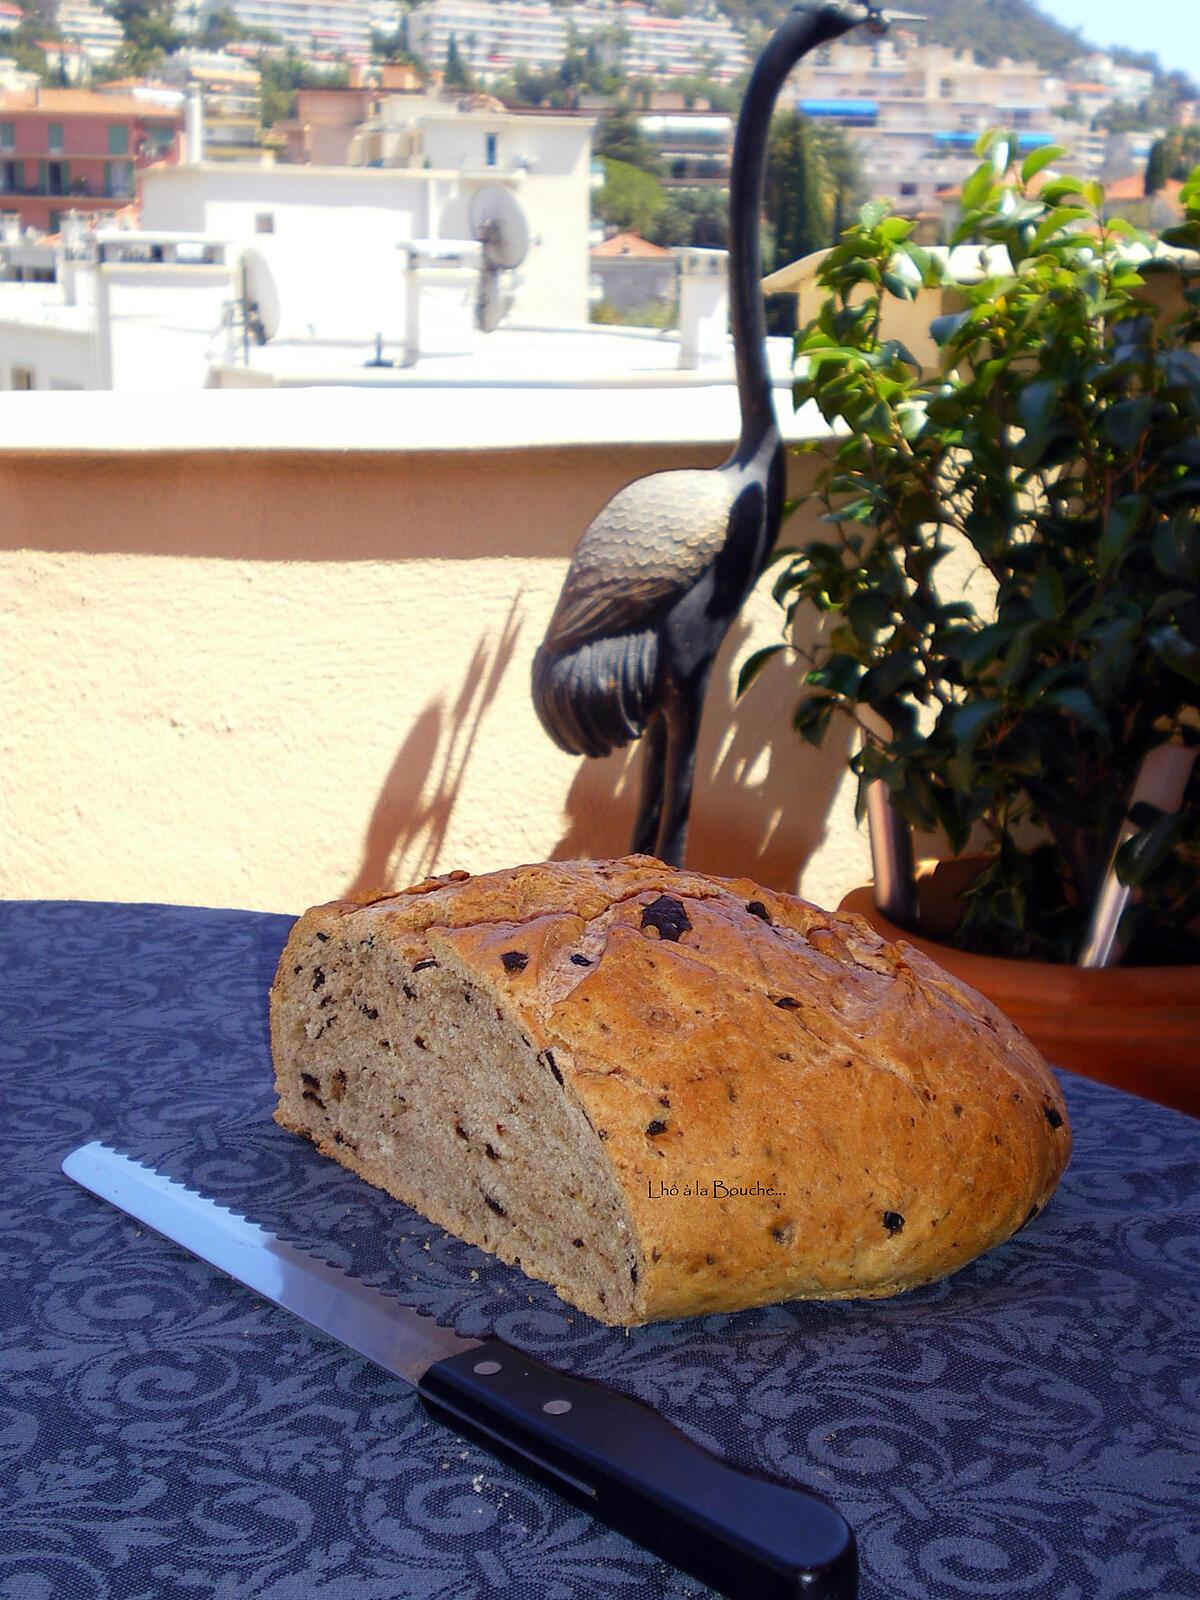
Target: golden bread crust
792,1107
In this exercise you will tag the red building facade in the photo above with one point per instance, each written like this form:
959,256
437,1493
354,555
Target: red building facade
67,150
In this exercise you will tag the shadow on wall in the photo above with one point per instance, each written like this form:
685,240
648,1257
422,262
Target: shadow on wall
761,798
405,834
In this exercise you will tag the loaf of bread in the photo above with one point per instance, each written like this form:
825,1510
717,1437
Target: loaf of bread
663,1093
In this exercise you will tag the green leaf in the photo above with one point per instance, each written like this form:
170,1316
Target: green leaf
1123,519
943,328
1176,547
1125,422
1048,597
978,188
1080,704
895,228
1059,188
812,718
867,614
1037,403
1182,370
1038,159
1060,217
873,213
754,664
1177,653
968,722
839,675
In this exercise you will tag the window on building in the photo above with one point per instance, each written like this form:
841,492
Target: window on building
908,188
946,88
54,138
492,143
8,136
22,378
118,139
10,177
264,222
119,180
156,143
55,222
57,177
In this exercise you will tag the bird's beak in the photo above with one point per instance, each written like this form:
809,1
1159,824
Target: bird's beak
879,18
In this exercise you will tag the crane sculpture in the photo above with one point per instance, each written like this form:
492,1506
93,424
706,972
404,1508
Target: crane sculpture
663,569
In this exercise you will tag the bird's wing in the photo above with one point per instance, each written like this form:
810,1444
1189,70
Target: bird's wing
645,548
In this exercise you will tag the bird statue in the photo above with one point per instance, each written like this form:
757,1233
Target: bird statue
663,569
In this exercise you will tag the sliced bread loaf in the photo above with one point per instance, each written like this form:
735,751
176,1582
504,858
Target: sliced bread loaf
663,1093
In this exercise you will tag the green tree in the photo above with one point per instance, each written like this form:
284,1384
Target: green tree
847,189
1173,156
221,27
150,32
697,217
630,199
283,75
458,74
1156,168
620,138
797,190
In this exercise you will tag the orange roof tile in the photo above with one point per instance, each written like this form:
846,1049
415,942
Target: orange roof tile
1133,187
84,103
629,244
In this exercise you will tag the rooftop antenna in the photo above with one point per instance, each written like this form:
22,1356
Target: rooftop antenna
379,359
499,224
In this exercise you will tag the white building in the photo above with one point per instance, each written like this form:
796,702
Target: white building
915,112
230,90
415,169
1124,83
88,24
325,28
492,36
446,154
169,312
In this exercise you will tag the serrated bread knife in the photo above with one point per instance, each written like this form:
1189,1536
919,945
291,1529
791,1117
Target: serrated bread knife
749,1537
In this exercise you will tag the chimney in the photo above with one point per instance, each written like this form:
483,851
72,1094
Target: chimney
194,127
703,305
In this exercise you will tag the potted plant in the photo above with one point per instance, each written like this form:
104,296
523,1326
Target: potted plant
1057,442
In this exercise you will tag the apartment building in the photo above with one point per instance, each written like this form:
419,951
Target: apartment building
87,24
915,112
231,99
325,29
72,150
695,147
492,36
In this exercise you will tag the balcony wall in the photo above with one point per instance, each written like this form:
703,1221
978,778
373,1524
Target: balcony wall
297,663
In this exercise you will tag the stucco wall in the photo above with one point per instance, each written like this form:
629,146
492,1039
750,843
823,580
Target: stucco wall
261,678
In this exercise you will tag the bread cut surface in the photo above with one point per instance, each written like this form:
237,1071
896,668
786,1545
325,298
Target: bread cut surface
664,1093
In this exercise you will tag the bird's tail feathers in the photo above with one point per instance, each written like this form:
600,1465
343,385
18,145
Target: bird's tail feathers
597,696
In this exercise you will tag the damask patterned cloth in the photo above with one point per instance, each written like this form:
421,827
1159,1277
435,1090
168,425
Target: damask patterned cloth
1029,1428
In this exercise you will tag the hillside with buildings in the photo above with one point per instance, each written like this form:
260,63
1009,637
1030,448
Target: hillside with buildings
223,172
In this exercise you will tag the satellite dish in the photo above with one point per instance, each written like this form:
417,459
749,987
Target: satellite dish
500,226
260,291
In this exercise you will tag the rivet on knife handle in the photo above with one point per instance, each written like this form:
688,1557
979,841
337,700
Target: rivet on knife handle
749,1537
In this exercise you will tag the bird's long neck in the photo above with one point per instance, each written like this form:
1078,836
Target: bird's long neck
805,27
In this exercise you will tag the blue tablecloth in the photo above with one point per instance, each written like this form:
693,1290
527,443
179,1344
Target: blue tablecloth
1028,1428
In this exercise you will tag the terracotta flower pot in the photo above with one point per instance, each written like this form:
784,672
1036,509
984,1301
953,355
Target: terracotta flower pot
1135,1027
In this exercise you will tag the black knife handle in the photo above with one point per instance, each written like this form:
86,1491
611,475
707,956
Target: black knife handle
749,1537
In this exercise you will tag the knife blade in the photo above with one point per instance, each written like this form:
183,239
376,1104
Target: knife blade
750,1537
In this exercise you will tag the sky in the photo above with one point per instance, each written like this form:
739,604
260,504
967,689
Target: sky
1171,28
